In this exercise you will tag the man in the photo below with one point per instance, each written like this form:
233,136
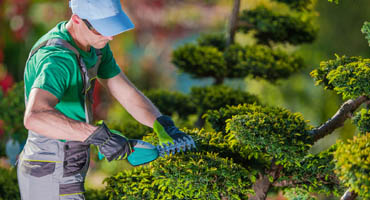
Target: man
59,77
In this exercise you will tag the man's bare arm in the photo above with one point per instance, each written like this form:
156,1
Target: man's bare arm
135,102
42,117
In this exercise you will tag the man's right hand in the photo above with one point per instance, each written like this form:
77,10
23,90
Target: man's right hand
111,144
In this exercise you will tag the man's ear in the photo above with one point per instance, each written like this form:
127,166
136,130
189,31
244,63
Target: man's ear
76,19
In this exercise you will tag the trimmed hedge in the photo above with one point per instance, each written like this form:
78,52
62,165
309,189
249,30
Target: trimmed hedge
298,4
272,132
182,176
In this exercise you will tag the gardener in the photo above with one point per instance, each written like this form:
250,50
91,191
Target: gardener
59,80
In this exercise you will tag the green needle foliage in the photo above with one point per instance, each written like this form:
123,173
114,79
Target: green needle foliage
348,76
215,97
353,164
172,102
12,111
270,26
366,30
182,176
362,120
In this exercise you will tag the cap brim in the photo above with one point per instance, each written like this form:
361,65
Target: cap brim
114,25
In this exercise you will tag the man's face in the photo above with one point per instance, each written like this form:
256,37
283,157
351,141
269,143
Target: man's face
93,37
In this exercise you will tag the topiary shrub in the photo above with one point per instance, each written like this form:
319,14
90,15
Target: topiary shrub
274,133
353,164
182,176
172,102
271,26
215,97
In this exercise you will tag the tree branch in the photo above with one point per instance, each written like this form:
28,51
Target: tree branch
233,22
344,112
263,184
349,195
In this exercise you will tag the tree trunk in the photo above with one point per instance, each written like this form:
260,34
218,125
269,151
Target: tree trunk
348,195
233,25
262,186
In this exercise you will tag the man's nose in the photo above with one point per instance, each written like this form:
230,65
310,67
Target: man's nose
109,38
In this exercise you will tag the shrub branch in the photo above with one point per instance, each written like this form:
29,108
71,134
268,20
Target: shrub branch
344,112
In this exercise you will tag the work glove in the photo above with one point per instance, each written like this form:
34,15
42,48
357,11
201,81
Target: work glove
111,144
168,133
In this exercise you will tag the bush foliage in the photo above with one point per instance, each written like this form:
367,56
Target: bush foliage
183,176
207,59
298,4
362,120
348,76
216,97
172,102
353,164
366,30
13,104
271,26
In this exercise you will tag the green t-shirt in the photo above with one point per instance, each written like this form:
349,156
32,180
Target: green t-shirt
56,70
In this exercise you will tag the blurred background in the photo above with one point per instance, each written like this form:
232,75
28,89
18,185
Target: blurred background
144,54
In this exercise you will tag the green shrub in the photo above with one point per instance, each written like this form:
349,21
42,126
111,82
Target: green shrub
260,61
298,194
315,174
347,76
271,26
353,164
12,111
217,40
215,97
172,102
298,4
93,194
200,61
9,184
272,132
362,120
182,176
366,30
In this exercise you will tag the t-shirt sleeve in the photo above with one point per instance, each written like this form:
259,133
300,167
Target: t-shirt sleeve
54,75
108,67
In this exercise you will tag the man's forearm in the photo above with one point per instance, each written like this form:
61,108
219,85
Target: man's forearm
53,124
139,106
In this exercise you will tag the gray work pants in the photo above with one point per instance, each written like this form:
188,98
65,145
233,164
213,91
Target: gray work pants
52,170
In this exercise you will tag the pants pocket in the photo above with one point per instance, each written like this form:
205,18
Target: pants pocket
37,168
75,157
